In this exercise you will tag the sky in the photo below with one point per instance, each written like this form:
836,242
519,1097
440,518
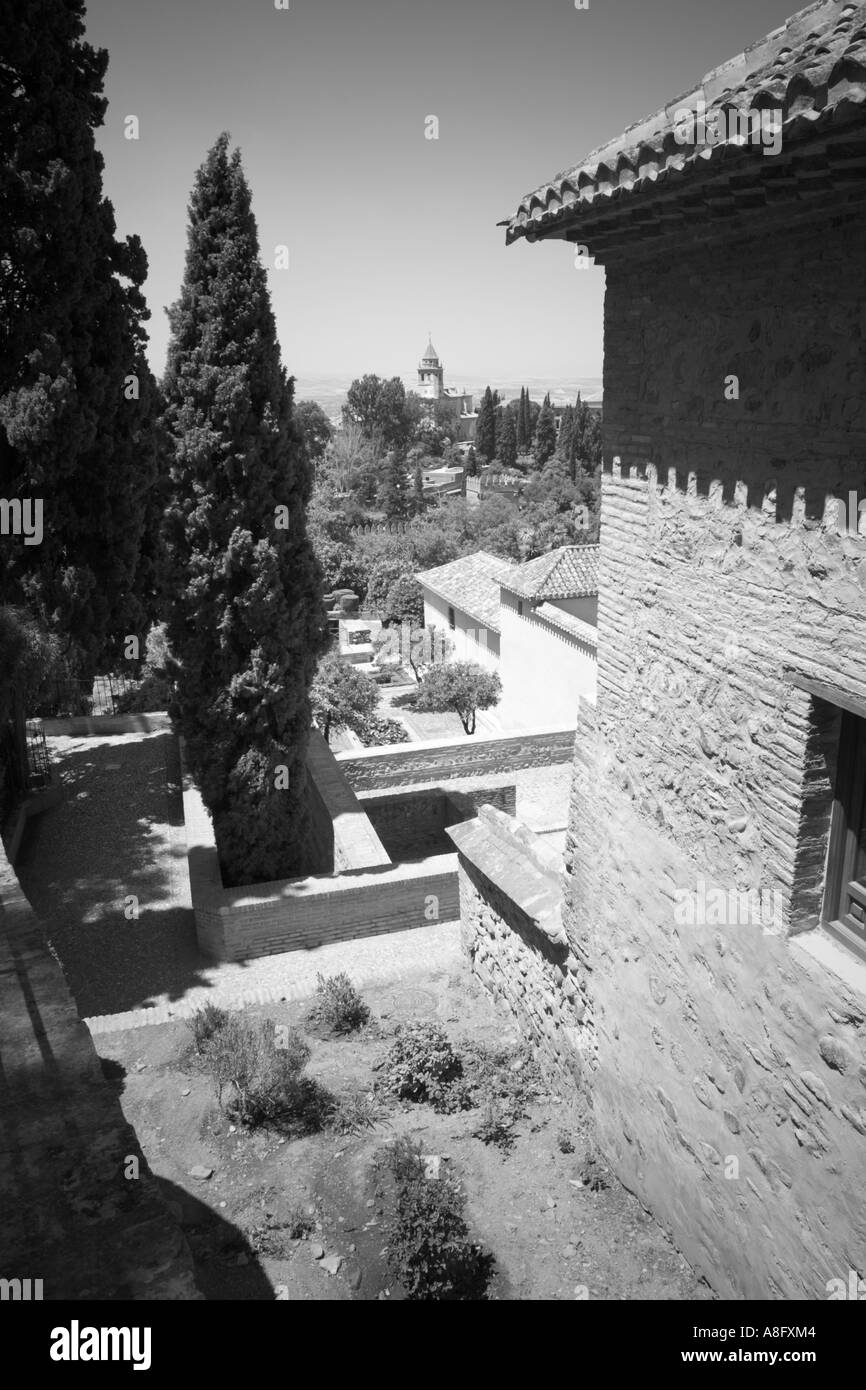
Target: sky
391,235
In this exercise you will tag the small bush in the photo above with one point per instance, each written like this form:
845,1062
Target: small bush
204,1023
380,729
429,1249
258,1076
495,1126
564,1142
356,1112
338,1004
421,1063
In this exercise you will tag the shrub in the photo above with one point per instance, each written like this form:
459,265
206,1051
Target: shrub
421,1063
429,1249
204,1023
379,729
257,1071
338,1004
495,1126
355,1112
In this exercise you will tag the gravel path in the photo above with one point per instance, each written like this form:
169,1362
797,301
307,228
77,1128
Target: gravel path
116,835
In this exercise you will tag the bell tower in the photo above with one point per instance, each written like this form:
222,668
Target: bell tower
431,374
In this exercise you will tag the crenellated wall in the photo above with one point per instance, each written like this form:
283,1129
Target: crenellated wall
729,1082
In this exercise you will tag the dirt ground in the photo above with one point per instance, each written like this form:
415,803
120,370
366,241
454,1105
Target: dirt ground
552,1233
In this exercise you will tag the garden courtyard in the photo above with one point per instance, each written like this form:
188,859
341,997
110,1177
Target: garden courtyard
299,1210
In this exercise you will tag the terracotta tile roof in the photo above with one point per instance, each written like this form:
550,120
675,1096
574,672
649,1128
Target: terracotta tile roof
470,583
569,572
568,622
813,68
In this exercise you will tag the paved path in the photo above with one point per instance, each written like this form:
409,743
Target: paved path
118,834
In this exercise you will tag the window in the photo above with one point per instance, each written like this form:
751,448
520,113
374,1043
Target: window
844,909
451,622
520,608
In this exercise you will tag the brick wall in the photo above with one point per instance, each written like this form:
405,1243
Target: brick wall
729,1079
435,760
298,914
412,824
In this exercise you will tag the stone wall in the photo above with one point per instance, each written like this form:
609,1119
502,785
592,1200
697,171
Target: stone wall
436,760
71,1216
511,930
412,824
728,1083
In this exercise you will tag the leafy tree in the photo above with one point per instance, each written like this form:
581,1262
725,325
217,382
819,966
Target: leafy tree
461,686
507,450
485,427
545,436
315,428
380,408
78,404
404,602
394,490
246,622
342,697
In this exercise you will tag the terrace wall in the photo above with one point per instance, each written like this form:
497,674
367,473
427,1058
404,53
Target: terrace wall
436,760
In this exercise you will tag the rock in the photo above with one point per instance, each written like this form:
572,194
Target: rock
431,1165
569,1252
202,1173
317,1251
351,1249
551,1203
354,1279
369,1202
185,1092
331,1264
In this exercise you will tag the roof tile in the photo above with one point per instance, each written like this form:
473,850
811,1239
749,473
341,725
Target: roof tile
569,572
813,67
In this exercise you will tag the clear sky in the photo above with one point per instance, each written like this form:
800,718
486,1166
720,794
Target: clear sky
391,234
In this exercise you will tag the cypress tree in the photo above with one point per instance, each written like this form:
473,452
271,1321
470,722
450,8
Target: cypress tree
566,436
521,423
78,405
485,429
419,501
394,492
246,622
545,436
507,451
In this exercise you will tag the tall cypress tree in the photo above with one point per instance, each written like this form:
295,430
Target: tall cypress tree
78,405
247,622
521,423
545,436
507,451
485,428
394,492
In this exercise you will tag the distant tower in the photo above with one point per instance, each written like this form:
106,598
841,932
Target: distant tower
431,374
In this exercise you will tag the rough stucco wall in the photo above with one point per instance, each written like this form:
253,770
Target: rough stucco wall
544,670
726,1042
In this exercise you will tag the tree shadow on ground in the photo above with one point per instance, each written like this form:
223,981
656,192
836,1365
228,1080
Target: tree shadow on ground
105,870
